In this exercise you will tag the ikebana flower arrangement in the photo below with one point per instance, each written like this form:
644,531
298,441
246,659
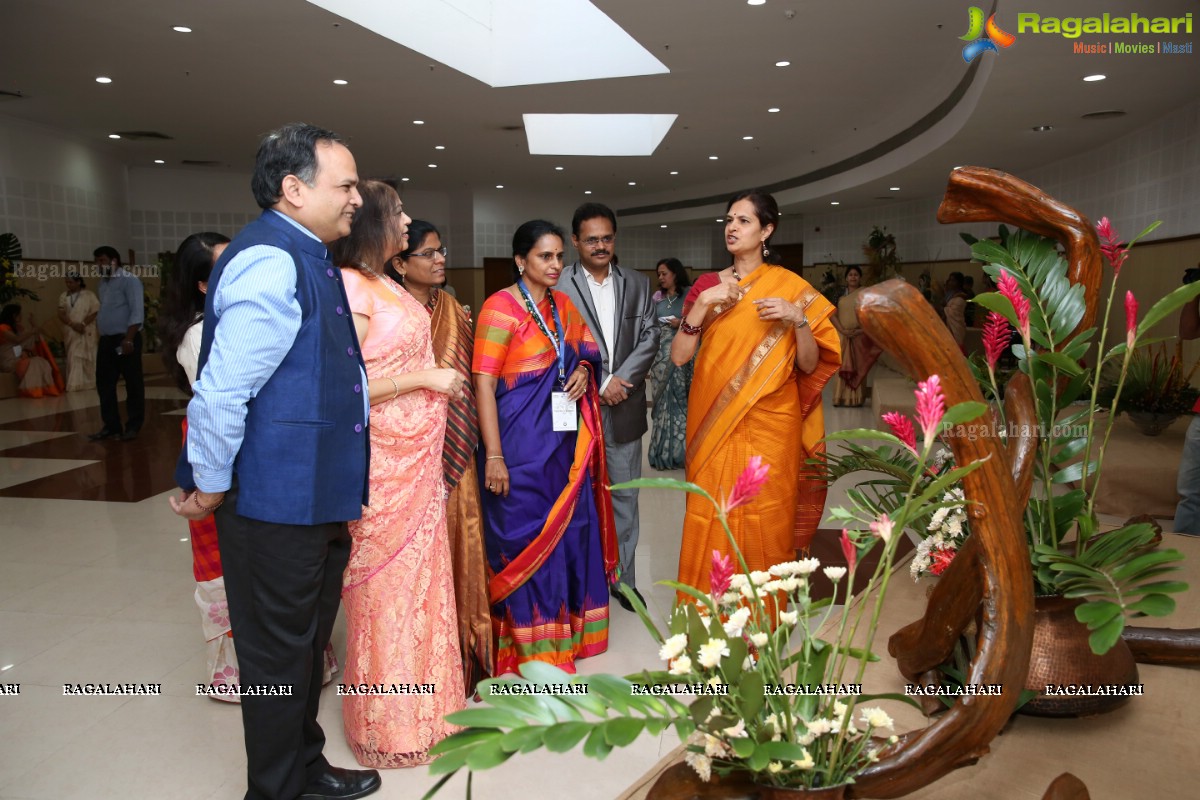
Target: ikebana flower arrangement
10,259
788,718
1156,387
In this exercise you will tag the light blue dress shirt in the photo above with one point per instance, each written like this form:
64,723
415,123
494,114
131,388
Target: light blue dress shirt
257,320
121,303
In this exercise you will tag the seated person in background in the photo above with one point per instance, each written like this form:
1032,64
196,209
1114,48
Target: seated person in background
955,309
24,353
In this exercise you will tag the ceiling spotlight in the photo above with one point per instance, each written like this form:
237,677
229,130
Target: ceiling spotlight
783,63
755,2
1043,128
587,191
418,122
712,158
114,136
439,147
834,203
720,220
1094,78
159,161
558,169
182,29
339,82
893,188
674,172
405,180
432,166
772,110
662,226
103,79
633,183
747,138
499,185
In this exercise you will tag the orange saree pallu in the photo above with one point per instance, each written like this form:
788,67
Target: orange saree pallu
748,398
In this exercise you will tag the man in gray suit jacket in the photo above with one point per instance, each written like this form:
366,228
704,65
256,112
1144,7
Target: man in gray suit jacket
616,304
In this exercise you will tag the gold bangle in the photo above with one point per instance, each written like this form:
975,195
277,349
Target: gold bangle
395,387
489,458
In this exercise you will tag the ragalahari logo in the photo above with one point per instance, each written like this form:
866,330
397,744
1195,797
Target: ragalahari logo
980,37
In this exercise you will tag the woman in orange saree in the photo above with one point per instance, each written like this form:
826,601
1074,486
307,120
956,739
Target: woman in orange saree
23,352
769,349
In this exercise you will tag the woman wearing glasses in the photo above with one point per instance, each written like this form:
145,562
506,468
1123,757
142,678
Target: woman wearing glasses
421,269
398,590
547,517
768,350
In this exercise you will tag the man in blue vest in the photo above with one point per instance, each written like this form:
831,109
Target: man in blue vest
277,450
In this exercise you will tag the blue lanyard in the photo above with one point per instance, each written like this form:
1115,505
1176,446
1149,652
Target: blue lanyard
555,341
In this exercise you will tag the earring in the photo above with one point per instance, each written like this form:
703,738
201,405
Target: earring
766,252
520,270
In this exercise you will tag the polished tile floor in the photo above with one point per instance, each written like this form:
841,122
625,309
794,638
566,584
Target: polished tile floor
96,586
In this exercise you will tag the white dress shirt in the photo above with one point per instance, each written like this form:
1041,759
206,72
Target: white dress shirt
604,298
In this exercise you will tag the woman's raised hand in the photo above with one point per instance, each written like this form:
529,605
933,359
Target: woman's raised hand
445,381
725,292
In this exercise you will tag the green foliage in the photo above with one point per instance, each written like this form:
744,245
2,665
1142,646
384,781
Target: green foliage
1154,382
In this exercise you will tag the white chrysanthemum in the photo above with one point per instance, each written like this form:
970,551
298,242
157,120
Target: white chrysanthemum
748,663
711,652
789,617
774,767
835,574
701,763
781,569
893,739
954,526
872,755
805,739
714,746
737,731
759,639
790,585
748,592
729,598
673,647
807,566
714,682
681,666
737,581
736,622
804,763
939,517
759,577
876,718
770,587
819,727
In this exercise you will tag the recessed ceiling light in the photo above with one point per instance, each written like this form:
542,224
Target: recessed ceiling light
159,161
834,203
783,63
182,29
674,172
499,185
114,136
747,138
772,110
340,82
432,166
755,2
633,183
558,169
1093,78
103,79
1043,128
587,191
662,226
893,188
712,158
418,122
720,220
6,668
439,147
405,180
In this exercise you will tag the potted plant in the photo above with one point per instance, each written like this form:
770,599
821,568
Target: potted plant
791,721
10,261
1156,390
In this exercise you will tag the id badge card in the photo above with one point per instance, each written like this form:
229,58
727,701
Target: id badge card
564,412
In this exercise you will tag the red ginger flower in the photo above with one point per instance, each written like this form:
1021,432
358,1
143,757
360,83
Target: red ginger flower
1111,245
1131,309
931,407
940,560
882,528
1012,290
748,484
849,550
997,337
902,428
720,574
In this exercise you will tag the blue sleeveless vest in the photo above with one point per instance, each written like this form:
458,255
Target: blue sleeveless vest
304,459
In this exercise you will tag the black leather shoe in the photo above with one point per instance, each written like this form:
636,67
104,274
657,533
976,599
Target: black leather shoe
623,600
103,433
342,784
129,436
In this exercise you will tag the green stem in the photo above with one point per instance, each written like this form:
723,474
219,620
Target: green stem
1083,482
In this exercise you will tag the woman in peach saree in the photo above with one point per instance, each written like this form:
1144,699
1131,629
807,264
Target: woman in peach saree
769,349
403,665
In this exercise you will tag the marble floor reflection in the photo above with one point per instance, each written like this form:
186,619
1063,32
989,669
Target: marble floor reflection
96,586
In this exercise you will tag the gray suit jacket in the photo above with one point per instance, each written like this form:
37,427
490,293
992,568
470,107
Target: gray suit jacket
636,345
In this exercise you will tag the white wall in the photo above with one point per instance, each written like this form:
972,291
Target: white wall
60,195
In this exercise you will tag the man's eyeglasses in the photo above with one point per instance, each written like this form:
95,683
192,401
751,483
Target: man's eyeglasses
592,241
431,253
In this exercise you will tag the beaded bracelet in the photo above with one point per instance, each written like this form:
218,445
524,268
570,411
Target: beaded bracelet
689,330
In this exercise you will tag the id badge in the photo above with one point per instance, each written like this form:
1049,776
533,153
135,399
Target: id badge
564,411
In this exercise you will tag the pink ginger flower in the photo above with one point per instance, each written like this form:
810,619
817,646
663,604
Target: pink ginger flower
1131,309
940,560
996,338
1012,290
902,428
1111,245
748,484
931,407
849,550
882,528
720,574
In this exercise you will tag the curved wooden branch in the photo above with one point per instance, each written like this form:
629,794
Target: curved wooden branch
896,316
1067,787
1178,647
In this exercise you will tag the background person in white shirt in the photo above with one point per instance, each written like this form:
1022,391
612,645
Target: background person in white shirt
617,305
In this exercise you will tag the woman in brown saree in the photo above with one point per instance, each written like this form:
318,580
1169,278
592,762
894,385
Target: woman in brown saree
421,269
859,351
769,349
